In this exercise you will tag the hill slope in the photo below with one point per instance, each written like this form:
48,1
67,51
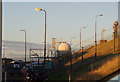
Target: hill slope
92,68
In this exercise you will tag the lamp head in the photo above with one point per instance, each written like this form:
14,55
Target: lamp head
84,27
22,30
100,15
38,9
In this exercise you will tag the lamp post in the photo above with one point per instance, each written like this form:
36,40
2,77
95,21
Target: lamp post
71,42
71,57
82,55
1,41
25,44
39,9
71,46
80,37
96,34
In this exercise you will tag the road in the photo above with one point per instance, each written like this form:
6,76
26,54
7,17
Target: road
113,76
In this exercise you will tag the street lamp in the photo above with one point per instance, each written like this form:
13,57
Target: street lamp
80,37
1,39
25,44
39,9
71,57
71,42
96,34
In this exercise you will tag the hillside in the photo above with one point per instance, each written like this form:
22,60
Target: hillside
90,68
105,69
102,50
105,63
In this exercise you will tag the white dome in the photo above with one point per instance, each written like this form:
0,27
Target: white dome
64,48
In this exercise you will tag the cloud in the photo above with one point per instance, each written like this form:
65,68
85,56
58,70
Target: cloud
15,49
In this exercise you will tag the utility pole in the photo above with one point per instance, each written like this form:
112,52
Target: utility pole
82,55
70,70
0,40
5,65
96,34
39,9
25,44
80,36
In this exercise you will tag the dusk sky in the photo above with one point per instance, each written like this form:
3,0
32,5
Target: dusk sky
64,20
80,34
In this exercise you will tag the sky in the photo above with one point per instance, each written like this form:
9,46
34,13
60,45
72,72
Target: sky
15,49
64,20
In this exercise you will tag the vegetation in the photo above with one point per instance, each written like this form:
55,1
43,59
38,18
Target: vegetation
92,68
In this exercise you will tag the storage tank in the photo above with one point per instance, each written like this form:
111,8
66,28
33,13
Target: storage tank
64,48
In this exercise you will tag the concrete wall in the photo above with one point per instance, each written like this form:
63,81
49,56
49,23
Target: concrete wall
0,40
